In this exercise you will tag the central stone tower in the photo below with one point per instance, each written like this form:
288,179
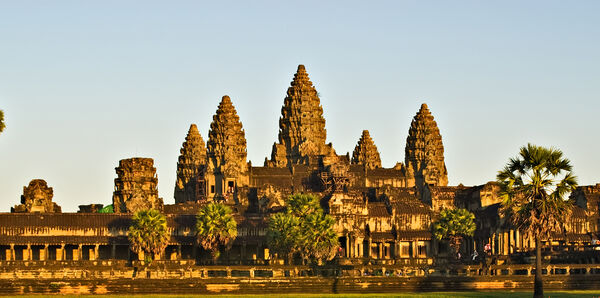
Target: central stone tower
424,153
302,131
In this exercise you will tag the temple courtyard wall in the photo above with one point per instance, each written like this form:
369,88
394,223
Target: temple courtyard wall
185,277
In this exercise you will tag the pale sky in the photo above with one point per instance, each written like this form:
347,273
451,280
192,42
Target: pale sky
84,84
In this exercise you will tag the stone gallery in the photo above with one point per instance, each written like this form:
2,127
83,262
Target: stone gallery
382,214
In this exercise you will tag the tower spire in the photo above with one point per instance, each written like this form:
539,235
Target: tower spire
190,165
366,153
424,152
226,141
301,126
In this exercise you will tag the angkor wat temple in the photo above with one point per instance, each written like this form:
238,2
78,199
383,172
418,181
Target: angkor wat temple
382,213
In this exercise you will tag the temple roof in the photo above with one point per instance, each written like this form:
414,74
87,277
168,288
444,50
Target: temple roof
301,126
227,140
366,152
189,165
424,152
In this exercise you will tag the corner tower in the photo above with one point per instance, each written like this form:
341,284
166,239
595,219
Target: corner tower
301,126
189,185
424,152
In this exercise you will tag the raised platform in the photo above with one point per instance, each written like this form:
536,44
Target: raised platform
120,277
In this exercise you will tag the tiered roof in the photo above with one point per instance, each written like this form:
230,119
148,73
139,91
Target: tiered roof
227,141
424,153
366,153
136,186
191,163
301,126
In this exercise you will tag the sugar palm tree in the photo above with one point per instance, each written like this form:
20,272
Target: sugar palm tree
302,205
215,227
283,234
533,186
303,228
454,225
148,234
318,238
2,121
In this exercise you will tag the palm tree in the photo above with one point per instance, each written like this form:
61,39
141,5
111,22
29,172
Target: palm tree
283,234
304,228
454,224
302,205
533,186
317,236
148,234
2,121
215,227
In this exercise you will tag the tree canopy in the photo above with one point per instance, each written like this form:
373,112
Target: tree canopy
454,224
303,228
283,234
2,125
533,186
148,234
215,227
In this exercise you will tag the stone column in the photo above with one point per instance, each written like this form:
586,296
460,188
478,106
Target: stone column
113,251
63,253
96,252
179,256
368,252
44,256
506,243
79,252
27,253
380,250
12,252
360,248
347,252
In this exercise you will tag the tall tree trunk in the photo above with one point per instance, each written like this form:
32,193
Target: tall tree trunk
215,255
538,284
290,259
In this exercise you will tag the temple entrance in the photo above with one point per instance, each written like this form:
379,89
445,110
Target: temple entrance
343,249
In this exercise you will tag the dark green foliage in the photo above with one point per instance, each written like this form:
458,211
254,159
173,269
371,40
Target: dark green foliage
302,205
215,227
454,224
148,233
319,239
303,228
283,234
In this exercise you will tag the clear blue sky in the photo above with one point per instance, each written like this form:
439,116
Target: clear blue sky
86,83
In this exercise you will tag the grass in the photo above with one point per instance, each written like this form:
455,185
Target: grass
502,294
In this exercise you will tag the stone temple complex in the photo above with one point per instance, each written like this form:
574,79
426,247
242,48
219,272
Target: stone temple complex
381,213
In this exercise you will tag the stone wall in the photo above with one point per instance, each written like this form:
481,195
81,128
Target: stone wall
184,277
